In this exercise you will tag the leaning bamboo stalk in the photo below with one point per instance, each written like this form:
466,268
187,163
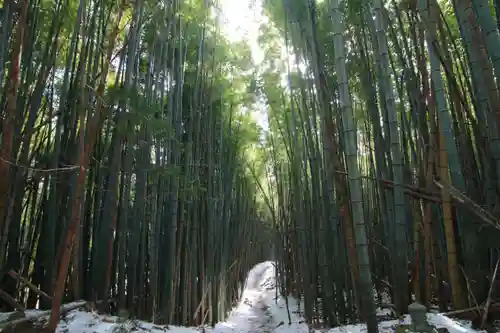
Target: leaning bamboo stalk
488,299
26,282
469,203
11,301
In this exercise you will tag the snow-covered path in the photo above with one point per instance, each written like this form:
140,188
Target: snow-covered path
257,312
252,313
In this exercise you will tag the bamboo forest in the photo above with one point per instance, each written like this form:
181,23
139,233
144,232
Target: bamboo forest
148,161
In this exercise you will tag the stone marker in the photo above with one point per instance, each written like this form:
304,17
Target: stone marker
418,314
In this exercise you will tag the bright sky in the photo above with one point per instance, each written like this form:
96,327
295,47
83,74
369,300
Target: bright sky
241,20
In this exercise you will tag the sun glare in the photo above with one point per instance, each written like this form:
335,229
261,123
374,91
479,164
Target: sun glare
240,22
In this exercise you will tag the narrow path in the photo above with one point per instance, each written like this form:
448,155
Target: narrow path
251,314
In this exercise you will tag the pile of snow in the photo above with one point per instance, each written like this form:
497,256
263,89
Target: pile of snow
259,311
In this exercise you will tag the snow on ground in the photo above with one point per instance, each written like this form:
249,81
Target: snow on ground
250,315
387,326
259,311
86,322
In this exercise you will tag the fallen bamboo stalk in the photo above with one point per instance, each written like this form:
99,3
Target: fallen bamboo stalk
36,316
457,313
468,311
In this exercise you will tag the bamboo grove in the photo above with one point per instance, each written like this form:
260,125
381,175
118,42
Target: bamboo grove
130,174
122,170
382,154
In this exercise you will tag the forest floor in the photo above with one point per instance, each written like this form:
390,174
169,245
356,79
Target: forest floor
259,311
